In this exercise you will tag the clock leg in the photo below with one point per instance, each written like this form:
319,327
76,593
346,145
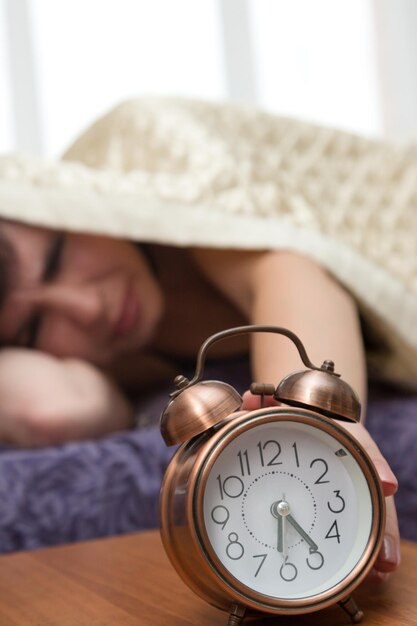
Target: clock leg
349,605
236,615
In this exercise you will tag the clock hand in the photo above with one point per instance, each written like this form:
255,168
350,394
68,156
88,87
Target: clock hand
284,509
280,510
280,545
302,532
278,517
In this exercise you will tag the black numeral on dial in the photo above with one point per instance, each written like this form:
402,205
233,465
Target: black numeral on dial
288,571
297,462
335,534
234,548
274,449
220,515
244,462
324,465
339,504
262,557
232,486
315,560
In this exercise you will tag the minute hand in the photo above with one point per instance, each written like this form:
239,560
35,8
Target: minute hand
302,532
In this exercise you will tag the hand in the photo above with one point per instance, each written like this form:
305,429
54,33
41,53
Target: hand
389,557
45,400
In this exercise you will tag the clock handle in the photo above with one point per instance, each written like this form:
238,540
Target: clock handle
245,330
198,405
316,388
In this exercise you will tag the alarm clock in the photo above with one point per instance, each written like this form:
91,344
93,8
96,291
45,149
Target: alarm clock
279,510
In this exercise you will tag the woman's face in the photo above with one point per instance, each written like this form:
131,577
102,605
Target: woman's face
78,295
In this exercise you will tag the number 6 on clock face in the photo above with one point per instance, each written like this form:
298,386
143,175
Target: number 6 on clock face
283,508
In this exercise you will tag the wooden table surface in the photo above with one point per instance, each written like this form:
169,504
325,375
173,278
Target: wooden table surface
128,581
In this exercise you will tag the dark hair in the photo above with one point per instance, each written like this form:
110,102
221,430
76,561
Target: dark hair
7,265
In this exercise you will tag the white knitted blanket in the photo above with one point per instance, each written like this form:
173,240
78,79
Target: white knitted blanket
193,173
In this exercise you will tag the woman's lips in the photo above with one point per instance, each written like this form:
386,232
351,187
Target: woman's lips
129,314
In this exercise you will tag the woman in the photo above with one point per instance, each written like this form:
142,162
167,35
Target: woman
107,302
89,305
251,217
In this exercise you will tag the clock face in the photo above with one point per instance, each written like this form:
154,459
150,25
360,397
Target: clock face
287,510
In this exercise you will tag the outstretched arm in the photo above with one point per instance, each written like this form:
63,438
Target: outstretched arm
290,290
287,289
45,400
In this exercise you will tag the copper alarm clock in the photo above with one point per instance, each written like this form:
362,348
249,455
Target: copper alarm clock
277,510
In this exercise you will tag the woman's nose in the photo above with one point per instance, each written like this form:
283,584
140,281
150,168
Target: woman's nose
84,304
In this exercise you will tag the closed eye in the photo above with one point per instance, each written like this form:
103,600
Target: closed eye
53,258
50,270
32,329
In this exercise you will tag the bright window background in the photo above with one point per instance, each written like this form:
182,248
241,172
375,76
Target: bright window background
343,63
94,53
316,60
6,120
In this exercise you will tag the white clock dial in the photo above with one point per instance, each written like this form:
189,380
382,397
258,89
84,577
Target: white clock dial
287,509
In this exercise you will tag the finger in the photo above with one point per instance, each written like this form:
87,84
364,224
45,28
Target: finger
386,475
389,556
252,402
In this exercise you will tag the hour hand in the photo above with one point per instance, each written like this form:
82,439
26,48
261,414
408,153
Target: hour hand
280,543
278,510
